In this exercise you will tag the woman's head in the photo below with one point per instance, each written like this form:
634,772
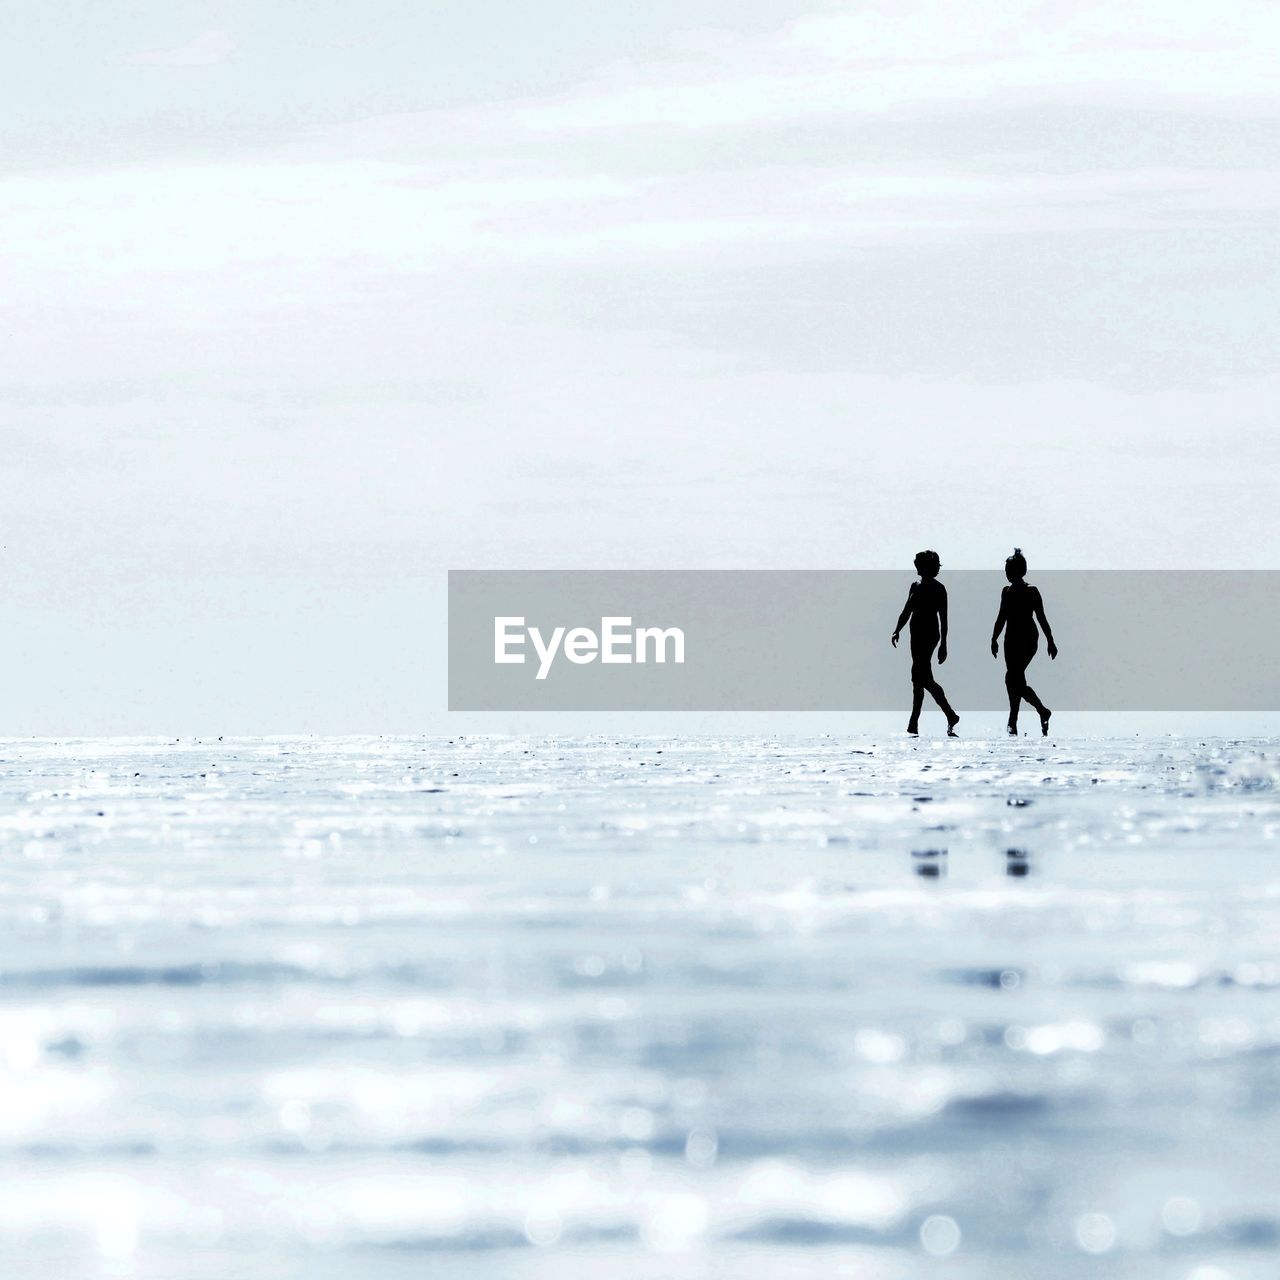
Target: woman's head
1015,566
928,564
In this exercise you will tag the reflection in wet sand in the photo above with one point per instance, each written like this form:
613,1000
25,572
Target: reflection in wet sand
641,1008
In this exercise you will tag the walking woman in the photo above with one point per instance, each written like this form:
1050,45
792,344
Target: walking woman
927,608
1020,609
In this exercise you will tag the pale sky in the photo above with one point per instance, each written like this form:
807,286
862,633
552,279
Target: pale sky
306,303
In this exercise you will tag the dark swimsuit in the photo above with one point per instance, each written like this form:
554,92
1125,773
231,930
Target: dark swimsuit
1021,637
927,600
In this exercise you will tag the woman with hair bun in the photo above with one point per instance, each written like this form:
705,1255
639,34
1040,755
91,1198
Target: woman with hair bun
1020,608
927,608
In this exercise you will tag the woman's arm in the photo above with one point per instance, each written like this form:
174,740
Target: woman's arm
1038,605
942,624
999,627
904,615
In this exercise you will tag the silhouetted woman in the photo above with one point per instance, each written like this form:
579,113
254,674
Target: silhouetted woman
927,608
1020,609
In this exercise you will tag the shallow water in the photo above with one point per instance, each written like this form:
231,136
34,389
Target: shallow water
534,1008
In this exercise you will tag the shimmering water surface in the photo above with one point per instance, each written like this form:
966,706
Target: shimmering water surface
495,1007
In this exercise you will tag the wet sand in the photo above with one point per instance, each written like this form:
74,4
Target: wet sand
511,1007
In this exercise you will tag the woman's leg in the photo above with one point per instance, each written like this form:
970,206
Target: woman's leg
1030,695
921,679
917,701
936,691
922,682
1015,683
921,676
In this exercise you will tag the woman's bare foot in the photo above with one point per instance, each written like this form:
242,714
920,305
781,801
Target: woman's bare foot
1012,730
1044,722
951,726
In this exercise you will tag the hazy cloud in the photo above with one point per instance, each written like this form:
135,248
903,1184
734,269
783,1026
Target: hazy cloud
893,275
208,49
